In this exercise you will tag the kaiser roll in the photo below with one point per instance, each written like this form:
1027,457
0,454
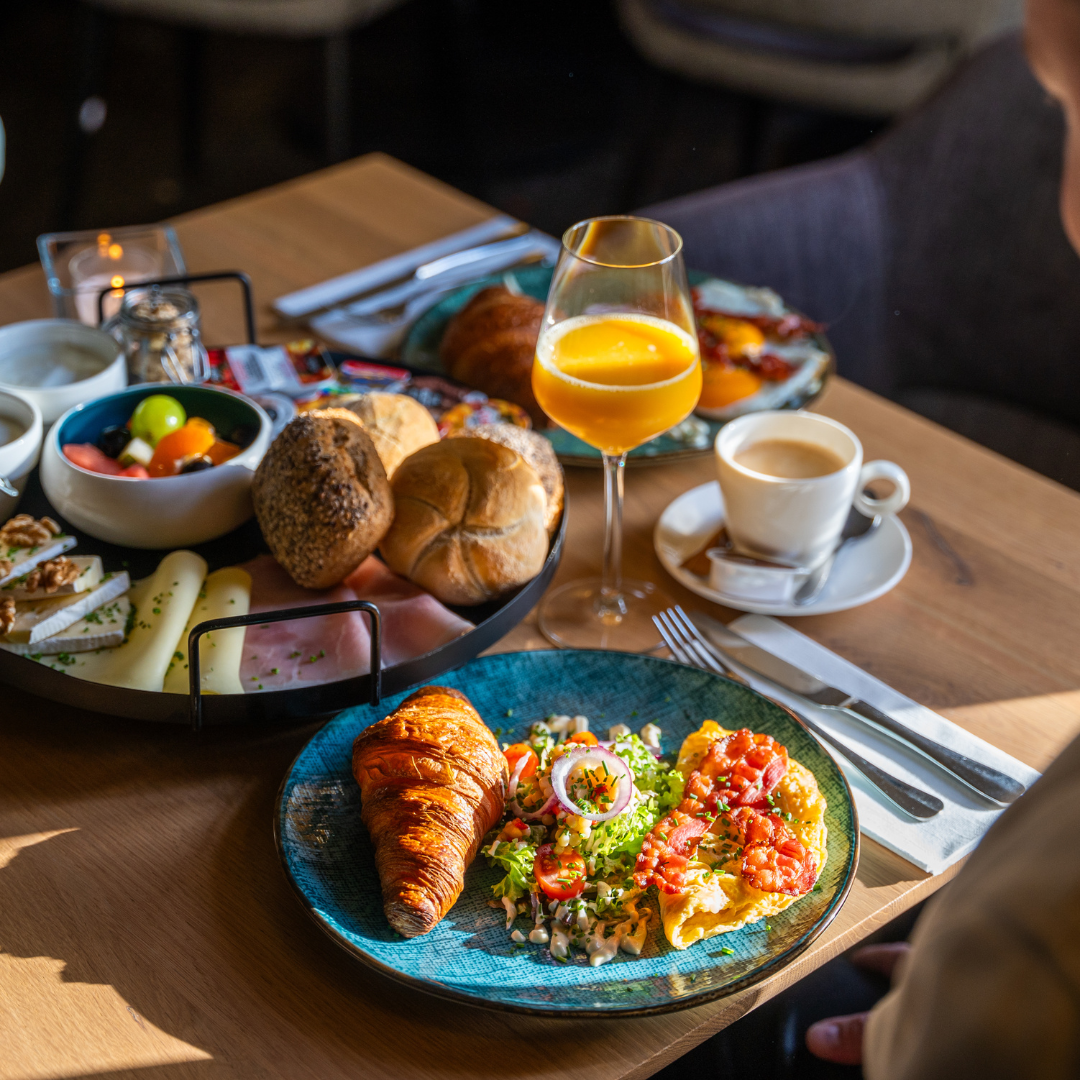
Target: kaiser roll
322,497
398,425
536,450
468,521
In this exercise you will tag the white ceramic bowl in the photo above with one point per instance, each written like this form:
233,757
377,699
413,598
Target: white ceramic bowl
58,363
166,512
18,456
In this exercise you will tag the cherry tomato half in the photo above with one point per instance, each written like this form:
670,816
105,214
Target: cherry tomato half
518,751
560,876
584,738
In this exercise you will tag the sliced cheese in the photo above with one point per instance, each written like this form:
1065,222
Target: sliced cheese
36,620
100,629
90,574
163,603
23,560
226,593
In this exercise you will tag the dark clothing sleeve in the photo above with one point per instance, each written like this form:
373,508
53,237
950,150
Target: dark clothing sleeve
991,989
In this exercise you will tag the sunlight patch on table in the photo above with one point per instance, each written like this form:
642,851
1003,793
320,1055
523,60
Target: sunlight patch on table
11,846
1034,729
50,1029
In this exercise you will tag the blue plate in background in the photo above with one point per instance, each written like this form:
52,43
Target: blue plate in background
469,957
421,350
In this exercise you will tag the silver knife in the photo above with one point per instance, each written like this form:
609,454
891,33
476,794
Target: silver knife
458,268
982,778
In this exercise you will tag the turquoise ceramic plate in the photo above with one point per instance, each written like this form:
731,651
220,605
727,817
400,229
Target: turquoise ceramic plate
469,956
421,350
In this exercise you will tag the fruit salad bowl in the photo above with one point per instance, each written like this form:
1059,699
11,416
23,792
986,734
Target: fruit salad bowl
155,512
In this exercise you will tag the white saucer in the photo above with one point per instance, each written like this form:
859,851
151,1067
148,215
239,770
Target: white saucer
864,570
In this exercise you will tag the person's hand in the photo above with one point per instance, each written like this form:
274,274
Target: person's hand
839,1038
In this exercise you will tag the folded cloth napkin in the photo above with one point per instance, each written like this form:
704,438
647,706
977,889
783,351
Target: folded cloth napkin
303,302
931,845
381,334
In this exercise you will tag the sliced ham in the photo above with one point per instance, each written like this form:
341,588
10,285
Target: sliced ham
332,647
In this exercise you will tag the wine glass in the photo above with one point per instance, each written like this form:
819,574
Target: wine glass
616,364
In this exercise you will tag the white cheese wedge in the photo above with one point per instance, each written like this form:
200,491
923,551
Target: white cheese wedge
100,629
163,603
23,560
225,593
36,620
90,575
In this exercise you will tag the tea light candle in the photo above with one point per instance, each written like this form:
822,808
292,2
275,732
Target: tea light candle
108,264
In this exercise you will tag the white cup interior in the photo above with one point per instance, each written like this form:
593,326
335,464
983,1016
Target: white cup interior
14,453
48,354
801,426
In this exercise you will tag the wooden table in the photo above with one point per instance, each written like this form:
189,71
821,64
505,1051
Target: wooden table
147,929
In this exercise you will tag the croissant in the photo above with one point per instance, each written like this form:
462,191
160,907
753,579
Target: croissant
432,782
490,345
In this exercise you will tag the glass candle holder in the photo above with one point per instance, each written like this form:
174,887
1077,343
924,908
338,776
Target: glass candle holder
78,265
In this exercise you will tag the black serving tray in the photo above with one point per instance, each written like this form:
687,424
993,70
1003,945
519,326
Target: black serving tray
493,621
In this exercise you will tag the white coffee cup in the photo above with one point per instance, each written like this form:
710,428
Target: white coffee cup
798,521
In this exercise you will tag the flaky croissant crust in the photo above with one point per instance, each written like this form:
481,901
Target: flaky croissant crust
433,781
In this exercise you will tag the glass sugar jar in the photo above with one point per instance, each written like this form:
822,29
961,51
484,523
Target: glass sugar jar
158,328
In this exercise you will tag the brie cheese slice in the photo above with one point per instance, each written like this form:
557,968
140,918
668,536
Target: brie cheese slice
36,620
90,575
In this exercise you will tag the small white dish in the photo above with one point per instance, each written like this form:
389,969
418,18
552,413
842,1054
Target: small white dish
863,571
20,417
59,363
164,512
750,579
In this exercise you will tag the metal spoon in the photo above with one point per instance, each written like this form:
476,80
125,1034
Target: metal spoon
855,528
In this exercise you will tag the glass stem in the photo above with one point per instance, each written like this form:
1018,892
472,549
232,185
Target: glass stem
612,607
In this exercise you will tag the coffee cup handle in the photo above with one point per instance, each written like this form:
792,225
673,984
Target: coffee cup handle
892,503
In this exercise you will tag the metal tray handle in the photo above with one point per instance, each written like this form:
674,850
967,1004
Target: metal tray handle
260,618
187,279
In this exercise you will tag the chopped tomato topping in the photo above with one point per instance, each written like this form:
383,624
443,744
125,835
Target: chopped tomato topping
514,829
560,876
738,772
773,858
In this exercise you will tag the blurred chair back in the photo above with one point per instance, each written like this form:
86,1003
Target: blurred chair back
868,57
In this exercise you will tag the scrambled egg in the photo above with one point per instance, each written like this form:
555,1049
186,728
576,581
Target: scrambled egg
719,899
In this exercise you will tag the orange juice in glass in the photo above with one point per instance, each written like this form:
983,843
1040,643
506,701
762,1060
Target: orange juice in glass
616,365
617,381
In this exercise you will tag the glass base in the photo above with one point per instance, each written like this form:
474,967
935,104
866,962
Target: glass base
581,616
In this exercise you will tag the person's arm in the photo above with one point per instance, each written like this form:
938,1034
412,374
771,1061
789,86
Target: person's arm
983,994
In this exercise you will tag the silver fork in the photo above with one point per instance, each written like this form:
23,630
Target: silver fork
689,647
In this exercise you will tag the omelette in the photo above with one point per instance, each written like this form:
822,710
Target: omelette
747,841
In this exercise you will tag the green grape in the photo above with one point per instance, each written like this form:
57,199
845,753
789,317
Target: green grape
154,417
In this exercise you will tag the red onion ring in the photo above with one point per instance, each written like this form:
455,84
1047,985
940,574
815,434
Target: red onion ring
515,776
511,795
593,756
532,815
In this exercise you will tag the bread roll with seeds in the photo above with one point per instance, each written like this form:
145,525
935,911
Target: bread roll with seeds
468,521
322,497
537,451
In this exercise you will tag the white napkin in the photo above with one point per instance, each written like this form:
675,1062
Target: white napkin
375,338
931,845
303,302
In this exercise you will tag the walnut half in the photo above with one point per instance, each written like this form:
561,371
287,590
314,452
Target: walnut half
51,575
22,531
